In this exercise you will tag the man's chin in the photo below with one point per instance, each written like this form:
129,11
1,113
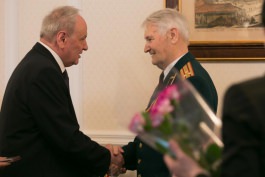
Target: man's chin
159,65
76,62
154,61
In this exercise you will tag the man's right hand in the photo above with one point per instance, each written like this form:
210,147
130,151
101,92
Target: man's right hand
117,161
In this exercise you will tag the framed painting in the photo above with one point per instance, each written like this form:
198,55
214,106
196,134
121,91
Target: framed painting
227,30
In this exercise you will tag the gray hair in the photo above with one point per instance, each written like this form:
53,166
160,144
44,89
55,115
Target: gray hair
61,18
166,19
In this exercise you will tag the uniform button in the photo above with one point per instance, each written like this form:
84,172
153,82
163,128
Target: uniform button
139,161
140,145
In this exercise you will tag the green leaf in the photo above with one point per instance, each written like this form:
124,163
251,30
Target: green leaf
161,148
211,159
166,126
213,153
148,123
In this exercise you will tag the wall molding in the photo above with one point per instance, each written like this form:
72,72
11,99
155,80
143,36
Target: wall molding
11,29
110,137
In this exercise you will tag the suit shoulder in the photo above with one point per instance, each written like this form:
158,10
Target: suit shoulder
258,82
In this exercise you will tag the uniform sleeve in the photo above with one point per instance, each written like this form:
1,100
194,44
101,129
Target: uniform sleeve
205,90
130,155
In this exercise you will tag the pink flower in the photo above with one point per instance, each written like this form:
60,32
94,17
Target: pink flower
154,111
171,92
159,111
137,123
157,120
163,103
162,107
165,107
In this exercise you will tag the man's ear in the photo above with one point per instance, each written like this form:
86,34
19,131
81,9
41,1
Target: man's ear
61,38
173,35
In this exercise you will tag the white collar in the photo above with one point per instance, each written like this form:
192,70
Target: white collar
171,65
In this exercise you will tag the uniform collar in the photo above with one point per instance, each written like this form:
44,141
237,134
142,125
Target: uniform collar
171,65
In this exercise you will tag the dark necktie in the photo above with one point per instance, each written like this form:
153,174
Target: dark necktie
161,78
156,91
66,78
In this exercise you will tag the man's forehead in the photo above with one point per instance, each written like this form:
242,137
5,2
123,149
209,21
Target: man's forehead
150,30
151,26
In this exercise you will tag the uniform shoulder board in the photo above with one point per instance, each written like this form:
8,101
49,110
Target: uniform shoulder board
187,71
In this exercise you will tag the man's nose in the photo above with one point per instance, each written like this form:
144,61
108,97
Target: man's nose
146,48
85,46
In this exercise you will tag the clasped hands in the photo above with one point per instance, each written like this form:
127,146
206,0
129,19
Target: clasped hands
117,160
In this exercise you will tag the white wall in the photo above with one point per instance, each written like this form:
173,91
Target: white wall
227,73
114,78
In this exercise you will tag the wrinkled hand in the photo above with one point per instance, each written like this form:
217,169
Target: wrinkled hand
3,164
117,161
183,165
115,170
116,154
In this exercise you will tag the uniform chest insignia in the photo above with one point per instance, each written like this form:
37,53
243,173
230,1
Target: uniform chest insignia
186,71
171,80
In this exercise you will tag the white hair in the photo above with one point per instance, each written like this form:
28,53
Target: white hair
166,19
61,18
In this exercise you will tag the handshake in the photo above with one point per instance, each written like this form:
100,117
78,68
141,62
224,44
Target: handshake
117,161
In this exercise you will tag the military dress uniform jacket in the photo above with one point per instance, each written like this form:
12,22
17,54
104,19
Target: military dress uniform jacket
38,123
244,129
148,162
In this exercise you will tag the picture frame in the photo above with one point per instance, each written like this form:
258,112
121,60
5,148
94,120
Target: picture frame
232,49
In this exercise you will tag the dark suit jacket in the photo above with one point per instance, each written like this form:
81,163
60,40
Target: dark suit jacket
244,129
148,162
38,122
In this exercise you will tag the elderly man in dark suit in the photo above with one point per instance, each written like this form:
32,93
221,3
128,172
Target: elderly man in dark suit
38,121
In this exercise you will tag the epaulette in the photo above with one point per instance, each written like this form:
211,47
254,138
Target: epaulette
186,71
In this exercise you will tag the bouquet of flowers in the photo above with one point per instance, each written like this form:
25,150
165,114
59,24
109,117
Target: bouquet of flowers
180,113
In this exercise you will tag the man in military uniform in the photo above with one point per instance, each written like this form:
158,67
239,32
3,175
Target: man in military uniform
167,40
